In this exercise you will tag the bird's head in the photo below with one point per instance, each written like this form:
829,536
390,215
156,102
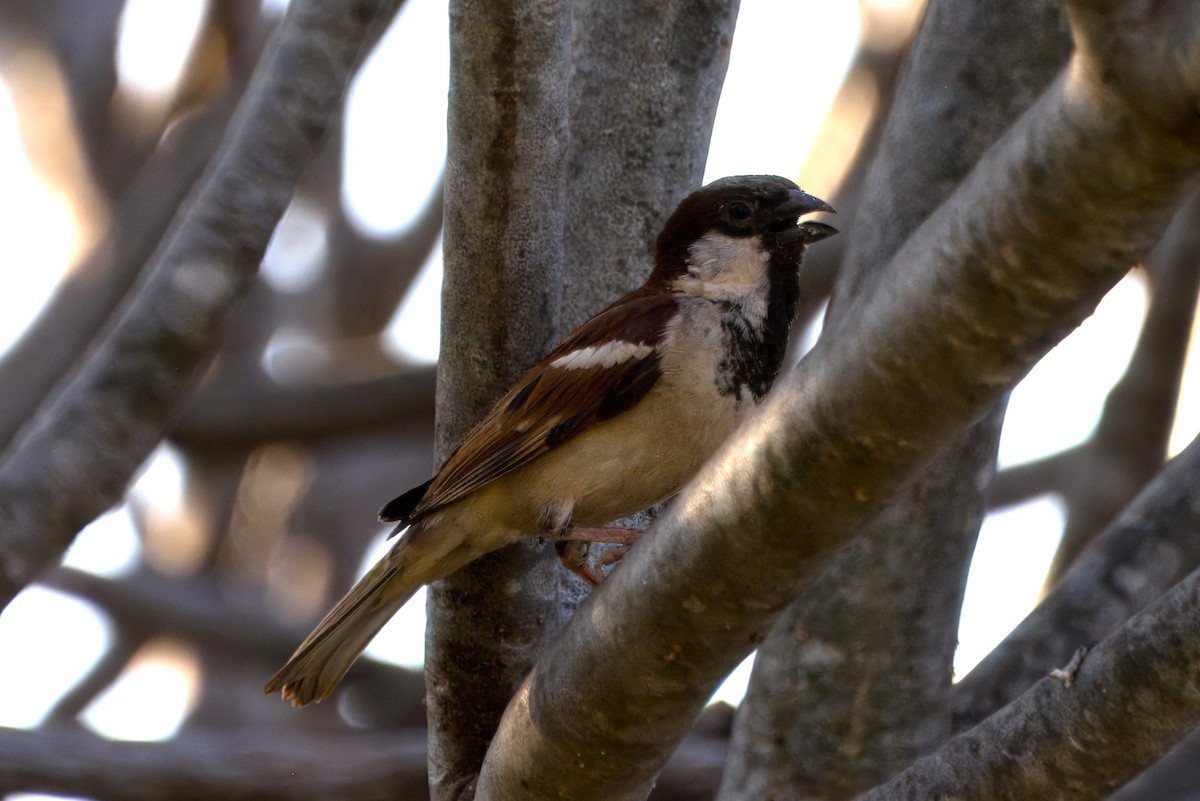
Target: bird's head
720,232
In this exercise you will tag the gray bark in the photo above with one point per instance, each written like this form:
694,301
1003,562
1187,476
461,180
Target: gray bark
505,209
645,82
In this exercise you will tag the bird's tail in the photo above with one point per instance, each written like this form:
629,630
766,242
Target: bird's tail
328,652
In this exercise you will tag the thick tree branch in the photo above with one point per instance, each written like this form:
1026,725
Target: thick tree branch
1130,441
1094,173
115,411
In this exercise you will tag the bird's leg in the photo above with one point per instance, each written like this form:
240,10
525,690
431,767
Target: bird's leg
574,556
617,536
612,556
571,545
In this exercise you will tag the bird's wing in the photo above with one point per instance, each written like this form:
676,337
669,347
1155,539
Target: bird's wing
603,368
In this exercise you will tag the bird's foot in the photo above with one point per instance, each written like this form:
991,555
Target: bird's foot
572,547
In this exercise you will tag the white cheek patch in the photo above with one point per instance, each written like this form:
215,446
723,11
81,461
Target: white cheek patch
728,268
728,259
610,354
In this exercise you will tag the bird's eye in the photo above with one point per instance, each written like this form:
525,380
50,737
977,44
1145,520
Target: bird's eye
738,211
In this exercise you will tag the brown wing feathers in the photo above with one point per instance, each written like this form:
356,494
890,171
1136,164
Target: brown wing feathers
551,404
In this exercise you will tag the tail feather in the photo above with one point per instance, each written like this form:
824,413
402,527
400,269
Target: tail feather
333,646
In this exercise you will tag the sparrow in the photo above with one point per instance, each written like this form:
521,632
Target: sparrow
618,417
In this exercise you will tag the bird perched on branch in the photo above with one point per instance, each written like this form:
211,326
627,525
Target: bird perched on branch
620,415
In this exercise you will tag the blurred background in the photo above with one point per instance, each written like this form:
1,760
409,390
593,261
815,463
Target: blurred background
173,609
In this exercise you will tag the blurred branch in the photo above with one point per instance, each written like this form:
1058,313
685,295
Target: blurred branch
248,766
200,610
254,409
268,765
1130,441
76,458
222,620
370,276
82,41
100,677
92,290
365,276
870,83
1152,546
1028,480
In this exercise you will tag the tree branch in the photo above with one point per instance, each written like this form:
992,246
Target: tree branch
1084,731
1152,546
265,766
1094,174
1027,480
93,289
504,219
254,410
251,766
117,409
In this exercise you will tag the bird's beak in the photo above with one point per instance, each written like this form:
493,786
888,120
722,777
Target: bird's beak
799,203
790,210
815,231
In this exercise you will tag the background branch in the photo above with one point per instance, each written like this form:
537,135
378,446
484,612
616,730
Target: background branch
1086,732
117,409
1146,551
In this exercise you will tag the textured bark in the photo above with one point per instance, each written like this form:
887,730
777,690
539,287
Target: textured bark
1094,167
853,682
107,421
637,146
505,207
1148,549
